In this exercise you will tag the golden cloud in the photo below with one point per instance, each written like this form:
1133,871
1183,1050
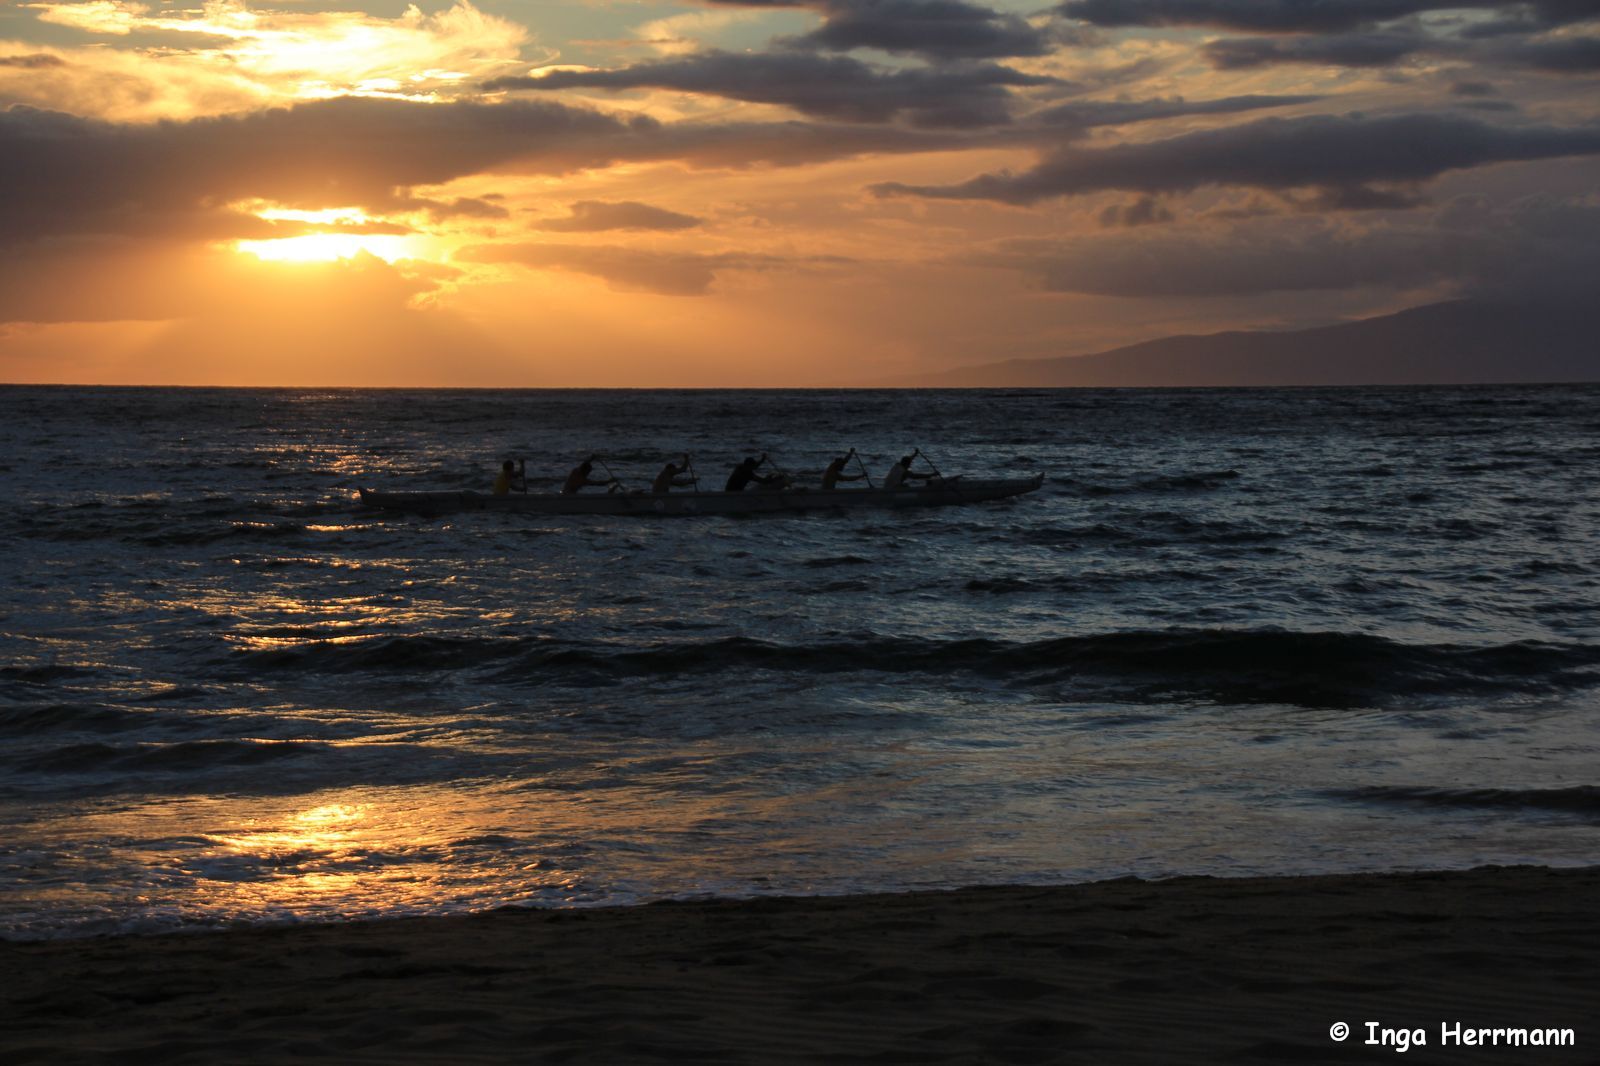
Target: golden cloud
233,57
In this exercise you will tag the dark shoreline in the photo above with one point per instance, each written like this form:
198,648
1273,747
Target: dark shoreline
1189,969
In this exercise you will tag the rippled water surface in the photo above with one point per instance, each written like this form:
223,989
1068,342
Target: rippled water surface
1236,632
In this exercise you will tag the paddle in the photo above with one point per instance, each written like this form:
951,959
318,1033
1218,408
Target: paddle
615,484
863,467
925,459
787,480
689,465
944,482
522,476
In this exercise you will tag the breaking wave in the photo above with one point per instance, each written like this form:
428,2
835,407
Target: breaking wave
1578,799
186,755
1251,666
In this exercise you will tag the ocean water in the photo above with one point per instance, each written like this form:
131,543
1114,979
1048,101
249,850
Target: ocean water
1236,632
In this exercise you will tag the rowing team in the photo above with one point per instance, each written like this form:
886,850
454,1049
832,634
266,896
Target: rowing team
513,476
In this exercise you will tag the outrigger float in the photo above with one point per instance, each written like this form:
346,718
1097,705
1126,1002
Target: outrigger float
938,492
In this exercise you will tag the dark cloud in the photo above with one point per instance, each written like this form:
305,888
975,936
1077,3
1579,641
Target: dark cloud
1145,211
638,270
62,175
1262,16
1352,33
1473,88
934,30
1534,247
1322,151
1359,198
591,216
34,61
833,87
59,173
1516,18
1556,55
794,143
1086,114
938,30
1308,16
1378,48
1557,12
1373,49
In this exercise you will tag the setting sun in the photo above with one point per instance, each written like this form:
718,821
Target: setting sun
355,237
326,247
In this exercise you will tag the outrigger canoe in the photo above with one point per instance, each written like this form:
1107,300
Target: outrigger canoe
936,493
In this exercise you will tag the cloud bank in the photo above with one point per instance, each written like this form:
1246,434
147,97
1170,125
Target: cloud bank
833,87
593,216
1348,152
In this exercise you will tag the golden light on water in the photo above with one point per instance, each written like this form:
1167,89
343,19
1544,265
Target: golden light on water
314,835
331,814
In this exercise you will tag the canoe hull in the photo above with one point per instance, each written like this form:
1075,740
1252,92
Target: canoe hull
941,494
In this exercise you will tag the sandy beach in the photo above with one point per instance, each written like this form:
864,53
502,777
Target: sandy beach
1192,969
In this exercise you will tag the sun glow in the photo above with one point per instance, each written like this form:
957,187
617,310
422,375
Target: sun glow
328,216
326,247
358,239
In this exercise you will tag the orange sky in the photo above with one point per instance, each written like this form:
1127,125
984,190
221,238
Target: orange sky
755,193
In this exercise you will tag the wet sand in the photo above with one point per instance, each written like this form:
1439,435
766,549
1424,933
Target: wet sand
1193,969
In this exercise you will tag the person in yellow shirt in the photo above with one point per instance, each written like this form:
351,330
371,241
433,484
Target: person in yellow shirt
511,477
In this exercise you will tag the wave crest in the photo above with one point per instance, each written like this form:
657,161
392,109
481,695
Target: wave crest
1578,799
1227,666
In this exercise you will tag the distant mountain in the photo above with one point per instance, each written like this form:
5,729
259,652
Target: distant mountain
1462,342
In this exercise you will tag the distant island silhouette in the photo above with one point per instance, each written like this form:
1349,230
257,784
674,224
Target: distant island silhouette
1459,342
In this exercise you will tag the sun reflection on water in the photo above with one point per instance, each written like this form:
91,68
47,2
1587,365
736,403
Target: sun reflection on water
319,832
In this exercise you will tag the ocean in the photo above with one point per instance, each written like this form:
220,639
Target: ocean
1269,631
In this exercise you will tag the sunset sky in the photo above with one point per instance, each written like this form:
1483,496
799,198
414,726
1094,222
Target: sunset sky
763,192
